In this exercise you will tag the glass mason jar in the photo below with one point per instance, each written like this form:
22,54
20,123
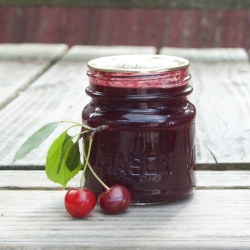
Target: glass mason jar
149,146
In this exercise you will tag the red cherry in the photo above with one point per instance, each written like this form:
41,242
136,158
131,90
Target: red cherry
79,202
115,200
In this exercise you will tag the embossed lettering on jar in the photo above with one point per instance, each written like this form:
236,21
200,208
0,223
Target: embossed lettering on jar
149,147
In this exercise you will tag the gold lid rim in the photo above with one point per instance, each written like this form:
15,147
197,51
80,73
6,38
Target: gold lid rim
185,64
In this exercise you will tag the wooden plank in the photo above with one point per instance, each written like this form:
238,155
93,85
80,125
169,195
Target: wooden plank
33,179
26,51
86,53
208,55
100,27
193,28
223,179
21,64
37,179
78,26
222,97
235,35
247,40
208,219
51,21
220,78
179,4
7,18
59,94
126,24
29,28
174,35
219,133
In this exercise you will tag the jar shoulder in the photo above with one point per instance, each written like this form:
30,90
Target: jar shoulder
96,115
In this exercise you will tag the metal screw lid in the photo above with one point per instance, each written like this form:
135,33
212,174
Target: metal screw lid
138,63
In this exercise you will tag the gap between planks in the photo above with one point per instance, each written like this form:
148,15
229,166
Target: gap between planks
199,166
37,180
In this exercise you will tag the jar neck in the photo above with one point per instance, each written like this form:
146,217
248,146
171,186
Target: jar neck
172,86
156,100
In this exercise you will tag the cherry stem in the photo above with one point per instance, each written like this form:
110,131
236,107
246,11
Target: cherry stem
79,134
102,183
79,124
84,169
89,166
71,127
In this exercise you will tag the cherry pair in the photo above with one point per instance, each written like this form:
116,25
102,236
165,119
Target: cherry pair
79,202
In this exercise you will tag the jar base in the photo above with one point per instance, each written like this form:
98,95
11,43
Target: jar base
175,195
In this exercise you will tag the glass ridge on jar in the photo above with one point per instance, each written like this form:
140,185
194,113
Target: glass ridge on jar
149,147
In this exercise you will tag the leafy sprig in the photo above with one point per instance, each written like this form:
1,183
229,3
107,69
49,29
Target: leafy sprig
63,160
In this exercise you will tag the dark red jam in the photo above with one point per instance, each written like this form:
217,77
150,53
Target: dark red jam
149,147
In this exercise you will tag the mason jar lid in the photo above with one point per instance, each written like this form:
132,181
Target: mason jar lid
138,63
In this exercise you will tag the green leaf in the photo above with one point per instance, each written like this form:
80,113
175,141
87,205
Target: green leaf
63,176
73,158
35,140
66,145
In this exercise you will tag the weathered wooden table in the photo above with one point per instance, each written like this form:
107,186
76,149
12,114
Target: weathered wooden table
43,83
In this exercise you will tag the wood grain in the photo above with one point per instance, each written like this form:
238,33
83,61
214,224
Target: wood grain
21,64
221,95
51,52
215,216
86,53
189,28
209,54
37,179
208,219
196,4
220,78
59,94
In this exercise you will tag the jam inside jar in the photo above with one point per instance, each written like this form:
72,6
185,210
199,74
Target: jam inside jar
149,146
